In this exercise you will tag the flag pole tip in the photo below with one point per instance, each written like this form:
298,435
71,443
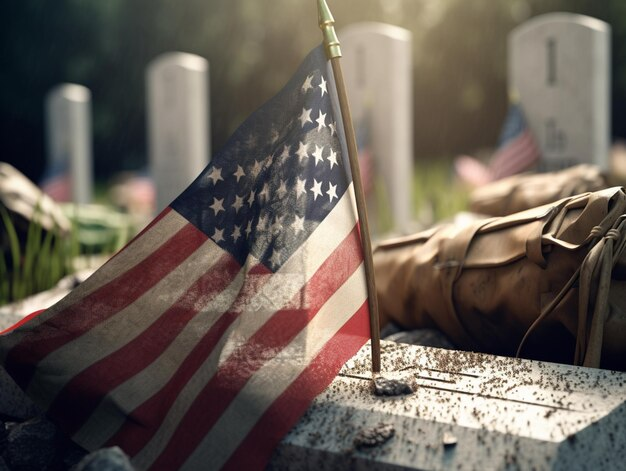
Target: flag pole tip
327,25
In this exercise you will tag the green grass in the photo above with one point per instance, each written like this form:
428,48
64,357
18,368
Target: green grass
35,265
42,258
436,193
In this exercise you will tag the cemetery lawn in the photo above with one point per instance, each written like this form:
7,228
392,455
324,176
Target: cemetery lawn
437,194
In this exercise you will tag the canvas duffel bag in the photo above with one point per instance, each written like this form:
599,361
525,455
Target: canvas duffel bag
520,192
548,283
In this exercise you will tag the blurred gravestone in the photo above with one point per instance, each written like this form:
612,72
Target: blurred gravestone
378,73
178,122
559,64
68,175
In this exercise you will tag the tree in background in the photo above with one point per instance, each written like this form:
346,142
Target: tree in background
252,48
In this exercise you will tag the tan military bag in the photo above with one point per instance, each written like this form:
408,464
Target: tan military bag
529,190
549,282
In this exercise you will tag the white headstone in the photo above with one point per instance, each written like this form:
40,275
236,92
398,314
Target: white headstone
559,64
68,123
178,122
377,64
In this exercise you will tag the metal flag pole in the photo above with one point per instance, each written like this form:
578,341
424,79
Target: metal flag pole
333,53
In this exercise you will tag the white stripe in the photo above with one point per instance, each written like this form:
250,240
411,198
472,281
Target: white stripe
111,413
109,336
270,381
134,253
328,235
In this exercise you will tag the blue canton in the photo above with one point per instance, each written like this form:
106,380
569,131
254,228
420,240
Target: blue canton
278,176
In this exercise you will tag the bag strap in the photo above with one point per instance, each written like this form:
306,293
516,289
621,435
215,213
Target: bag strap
594,282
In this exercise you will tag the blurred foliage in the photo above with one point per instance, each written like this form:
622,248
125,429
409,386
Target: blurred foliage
35,264
253,47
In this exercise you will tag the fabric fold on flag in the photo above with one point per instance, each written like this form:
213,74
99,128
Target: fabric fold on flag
517,152
201,343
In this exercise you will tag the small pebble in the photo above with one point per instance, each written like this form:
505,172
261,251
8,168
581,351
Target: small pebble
449,440
391,387
375,436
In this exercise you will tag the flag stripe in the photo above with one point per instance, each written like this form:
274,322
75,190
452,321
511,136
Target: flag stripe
116,332
113,410
275,335
169,222
133,435
275,376
136,354
307,259
517,156
102,303
259,443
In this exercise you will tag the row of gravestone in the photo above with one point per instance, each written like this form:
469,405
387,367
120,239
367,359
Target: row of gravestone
558,67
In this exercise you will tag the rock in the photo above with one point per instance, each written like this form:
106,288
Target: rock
3,465
375,436
391,387
13,402
31,445
106,459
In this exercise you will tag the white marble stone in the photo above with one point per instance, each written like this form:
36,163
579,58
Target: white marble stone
68,126
178,122
468,411
378,70
559,65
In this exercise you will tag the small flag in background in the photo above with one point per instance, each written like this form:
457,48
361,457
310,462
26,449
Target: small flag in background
366,160
56,183
517,151
201,343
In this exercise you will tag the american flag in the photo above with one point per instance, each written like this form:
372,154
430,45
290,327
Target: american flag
201,343
57,184
517,151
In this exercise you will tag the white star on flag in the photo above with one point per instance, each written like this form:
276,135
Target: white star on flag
322,86
305,117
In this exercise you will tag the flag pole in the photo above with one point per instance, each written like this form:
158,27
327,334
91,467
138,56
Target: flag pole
333,53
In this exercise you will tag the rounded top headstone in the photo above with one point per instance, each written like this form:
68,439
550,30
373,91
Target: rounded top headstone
184,60
383,29
561,17
71,92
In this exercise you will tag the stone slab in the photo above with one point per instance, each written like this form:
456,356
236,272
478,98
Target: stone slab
468,411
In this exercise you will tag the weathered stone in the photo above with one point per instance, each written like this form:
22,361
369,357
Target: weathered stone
32,445
178,122
374,436
68,122
468,411
391,387
106,459
378,71
559,65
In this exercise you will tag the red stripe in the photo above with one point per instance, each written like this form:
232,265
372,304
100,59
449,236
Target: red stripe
516,157
108,373
268,341
103,303
144,421
22,321
256,449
